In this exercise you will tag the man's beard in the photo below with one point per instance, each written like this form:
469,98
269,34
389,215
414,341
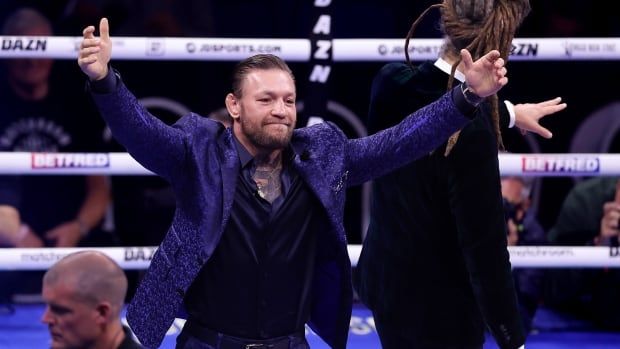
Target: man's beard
263,139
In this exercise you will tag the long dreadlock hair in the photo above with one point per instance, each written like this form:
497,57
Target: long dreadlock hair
478,26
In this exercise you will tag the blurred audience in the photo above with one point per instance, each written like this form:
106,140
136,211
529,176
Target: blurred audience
36,116
85,293
39,116
9,225
9,216
523,230
590,216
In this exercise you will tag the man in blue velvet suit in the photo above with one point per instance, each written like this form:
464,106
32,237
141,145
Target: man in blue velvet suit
257,247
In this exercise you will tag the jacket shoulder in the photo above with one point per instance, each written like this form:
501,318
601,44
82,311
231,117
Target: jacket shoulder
324,130
200,128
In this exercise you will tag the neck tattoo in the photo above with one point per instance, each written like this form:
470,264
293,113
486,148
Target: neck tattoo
268,182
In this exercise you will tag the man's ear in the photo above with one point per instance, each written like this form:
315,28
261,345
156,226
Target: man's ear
104,311
232,105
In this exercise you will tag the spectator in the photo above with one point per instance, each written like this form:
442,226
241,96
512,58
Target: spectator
85,293
523,230
38,116
9,225
589,216
9,216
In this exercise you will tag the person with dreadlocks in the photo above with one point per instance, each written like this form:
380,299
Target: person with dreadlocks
434,267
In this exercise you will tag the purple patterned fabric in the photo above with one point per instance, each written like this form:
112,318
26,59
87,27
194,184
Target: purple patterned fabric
198,157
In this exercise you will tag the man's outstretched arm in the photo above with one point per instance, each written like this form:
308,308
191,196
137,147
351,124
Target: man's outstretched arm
427,128
157,146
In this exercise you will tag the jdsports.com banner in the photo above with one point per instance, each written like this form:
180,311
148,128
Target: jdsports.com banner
235,49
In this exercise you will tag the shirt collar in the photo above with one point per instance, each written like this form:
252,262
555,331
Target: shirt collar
447,68
244,155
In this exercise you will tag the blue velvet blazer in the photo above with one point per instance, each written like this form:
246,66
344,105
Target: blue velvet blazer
199,159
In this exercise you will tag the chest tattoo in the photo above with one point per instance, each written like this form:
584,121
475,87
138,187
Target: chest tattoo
268,182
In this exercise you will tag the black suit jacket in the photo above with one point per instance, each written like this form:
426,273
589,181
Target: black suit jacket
434,262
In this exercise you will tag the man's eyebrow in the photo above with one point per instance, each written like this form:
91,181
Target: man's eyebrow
59,307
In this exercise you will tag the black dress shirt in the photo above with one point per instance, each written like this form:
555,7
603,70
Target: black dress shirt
257,283
128,342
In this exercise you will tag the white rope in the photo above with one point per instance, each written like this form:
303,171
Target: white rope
567,165
26,163
129,258
235,49
138,258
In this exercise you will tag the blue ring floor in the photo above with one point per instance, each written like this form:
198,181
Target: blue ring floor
22,329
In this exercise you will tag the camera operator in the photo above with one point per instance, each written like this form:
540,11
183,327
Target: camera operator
523,229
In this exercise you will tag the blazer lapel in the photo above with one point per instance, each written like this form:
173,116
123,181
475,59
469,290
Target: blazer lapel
230,171
312,174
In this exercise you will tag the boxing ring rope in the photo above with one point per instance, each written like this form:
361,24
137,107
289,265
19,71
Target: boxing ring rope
539,165
138,258
299,50
24,163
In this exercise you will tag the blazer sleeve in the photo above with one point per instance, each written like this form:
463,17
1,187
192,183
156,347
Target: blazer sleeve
476,203
418,134
157,146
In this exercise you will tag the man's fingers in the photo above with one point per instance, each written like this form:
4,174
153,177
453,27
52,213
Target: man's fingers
553,101
466,59
88,32
104,29
610,221
493,56
556,108
541,131
87,51
610,206
87,60
499,62
90,42
545,133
